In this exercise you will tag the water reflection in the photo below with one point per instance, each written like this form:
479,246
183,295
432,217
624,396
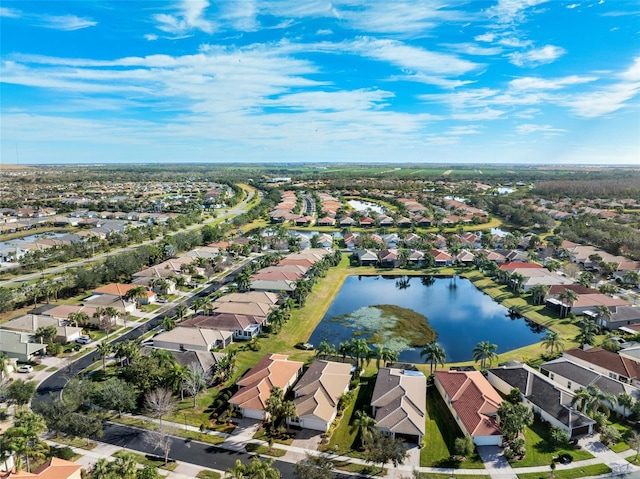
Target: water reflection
461,314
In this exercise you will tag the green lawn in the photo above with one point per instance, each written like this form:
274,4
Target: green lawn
344,439
266,450
440,434
206,474
539,450
148,460
578,472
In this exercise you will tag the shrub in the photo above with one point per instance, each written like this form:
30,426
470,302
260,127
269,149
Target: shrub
519,448
65,452
609,435
463,446
558,437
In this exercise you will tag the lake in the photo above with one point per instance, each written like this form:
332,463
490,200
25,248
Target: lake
461,314
365,206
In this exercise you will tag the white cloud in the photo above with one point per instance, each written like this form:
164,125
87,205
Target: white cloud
511,11
10,12
64,22
324,31
528,128
412,58
151,37
473,49
535,57
573,5
411,18
536,83
485,37
190,17
241,15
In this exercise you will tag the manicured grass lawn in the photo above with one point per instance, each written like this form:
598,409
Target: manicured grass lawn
262,449
440,434
364,470
578,472
74,442
622,429
261,435
206,474
539,450
148,460
434,475
344,440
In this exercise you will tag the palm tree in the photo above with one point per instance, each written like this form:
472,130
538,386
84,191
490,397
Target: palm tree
434,354
568,297
237,472
585,279
604,314
104,349
591,400
484,352
553,341
539,293
360,348
387,356
136,294
587,334
181,311
626,401
287,411
365,425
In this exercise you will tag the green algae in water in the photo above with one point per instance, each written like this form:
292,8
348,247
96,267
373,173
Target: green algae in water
396,328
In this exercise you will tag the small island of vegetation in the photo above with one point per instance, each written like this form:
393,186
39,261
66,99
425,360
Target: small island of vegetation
396,327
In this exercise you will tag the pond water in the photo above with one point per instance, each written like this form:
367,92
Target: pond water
461,314
366,205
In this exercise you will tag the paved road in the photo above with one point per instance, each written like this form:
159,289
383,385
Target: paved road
184,450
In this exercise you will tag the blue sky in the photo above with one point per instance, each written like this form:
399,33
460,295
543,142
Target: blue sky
504,81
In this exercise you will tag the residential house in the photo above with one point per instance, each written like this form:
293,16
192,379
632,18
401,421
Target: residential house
107,300
318,393
389,258
621,316
285,286
19,345
243,327
326,221
62,312
441,258
120,289
193,339
589,302
539,393
29,323
249,309
399,403
347,222
607,363
53,468
366,257
206,359
573,377
264,297
367,222
325,240
256,385
473,403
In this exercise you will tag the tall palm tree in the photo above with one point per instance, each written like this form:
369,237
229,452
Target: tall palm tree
592,399
136,294
604,314
539,293
434,354
587,334
568,297
387,356
365,425
104,349
552,341
485,352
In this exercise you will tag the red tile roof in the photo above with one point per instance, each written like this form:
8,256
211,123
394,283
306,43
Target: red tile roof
474,400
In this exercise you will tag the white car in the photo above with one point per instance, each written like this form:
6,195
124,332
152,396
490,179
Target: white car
83,340
25,368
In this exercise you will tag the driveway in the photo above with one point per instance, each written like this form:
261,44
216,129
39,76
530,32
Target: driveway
495,463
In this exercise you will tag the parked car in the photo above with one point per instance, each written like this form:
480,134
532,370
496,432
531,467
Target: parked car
162,300
25,368
83,339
